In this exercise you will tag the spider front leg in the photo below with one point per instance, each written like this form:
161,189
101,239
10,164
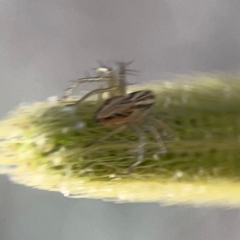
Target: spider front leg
76,84
106,72
100,96
96,91
122,71
70,90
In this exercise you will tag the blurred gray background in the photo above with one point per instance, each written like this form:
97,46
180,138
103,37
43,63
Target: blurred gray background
45,43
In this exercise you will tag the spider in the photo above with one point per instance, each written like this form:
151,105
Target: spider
131,110
123,110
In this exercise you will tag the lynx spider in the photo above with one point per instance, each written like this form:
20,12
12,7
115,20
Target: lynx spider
124,110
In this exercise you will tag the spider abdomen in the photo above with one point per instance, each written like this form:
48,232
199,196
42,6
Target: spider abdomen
119,110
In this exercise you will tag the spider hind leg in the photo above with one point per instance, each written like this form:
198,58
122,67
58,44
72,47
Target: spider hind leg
140,149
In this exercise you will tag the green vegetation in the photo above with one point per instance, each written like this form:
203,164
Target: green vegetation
46,142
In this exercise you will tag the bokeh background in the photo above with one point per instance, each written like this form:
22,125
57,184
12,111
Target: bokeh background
45,43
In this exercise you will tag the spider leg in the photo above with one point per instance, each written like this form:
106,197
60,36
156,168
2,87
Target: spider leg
140,148
100,96
112,82
107,72
69,90
164,125
96,91
122,71
158,138
116,130
77,82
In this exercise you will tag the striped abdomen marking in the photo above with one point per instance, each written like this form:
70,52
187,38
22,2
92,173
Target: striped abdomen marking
142,99
119,109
